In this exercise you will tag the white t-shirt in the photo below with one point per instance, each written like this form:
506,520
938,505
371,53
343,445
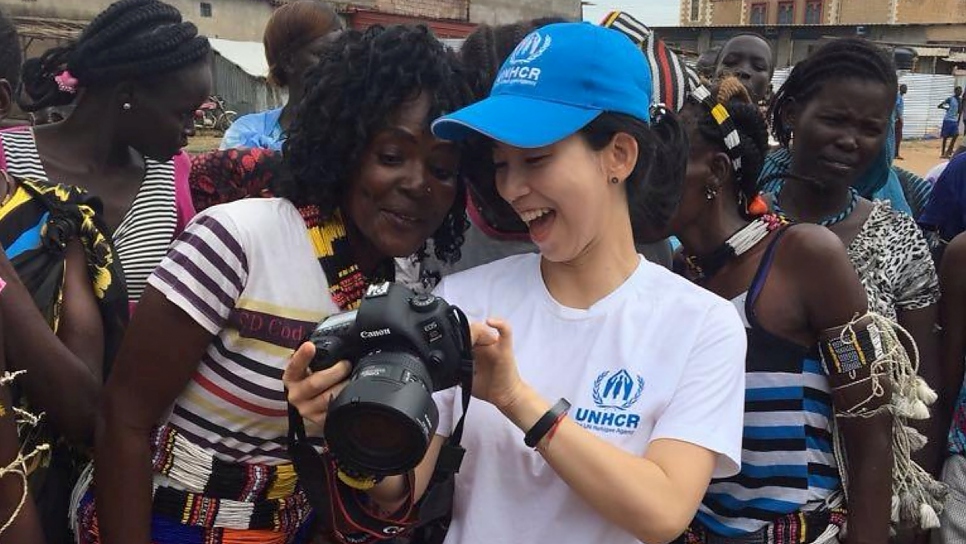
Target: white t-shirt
657,358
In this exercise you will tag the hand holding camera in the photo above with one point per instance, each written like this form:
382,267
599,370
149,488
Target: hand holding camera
311,393
374,372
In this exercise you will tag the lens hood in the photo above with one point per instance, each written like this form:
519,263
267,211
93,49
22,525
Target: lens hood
383,421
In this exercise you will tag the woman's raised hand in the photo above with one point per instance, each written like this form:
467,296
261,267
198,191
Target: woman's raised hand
495,376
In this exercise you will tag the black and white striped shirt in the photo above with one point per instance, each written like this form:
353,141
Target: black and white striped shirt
148,227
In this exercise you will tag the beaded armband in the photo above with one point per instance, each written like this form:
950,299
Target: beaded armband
854,348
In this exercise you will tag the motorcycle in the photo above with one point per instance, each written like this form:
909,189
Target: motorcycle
214,114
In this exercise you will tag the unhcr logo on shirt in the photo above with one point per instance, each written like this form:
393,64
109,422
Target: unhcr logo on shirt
516,70
613,393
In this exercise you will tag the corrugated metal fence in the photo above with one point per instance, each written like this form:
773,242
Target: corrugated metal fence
242,92
922,118
926,91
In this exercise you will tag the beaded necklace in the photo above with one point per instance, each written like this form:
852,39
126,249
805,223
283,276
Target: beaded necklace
347,283
704,267
826,221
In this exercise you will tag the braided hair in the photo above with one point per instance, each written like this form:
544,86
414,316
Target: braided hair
846,58
131,39
374,73
11,56
752,132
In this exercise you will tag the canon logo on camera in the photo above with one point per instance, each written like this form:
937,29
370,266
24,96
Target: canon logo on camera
374,334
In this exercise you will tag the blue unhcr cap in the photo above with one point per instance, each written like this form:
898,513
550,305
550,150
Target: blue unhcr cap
557,80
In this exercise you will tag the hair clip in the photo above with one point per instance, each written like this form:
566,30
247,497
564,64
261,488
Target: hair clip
66,82
658,111
721,116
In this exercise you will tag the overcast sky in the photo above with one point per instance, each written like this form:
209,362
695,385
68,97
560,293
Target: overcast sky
650,12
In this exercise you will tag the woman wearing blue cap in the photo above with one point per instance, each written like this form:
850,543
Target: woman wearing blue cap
619,392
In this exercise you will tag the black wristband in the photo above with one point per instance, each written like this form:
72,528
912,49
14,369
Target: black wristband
545,423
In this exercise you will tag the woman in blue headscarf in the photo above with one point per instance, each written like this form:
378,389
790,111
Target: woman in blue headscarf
879,182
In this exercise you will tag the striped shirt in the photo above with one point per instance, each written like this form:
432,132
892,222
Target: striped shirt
247,273
144,234
787,460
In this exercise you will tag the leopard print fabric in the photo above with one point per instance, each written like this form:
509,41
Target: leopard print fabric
893,262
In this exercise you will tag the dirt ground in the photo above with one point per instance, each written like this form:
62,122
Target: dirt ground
920,155
203,140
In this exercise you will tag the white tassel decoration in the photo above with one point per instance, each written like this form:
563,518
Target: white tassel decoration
895,509
925,393
928,517
917,440
919,410
902,407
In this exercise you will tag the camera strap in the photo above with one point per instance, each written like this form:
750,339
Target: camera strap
437,501
340,508
344,511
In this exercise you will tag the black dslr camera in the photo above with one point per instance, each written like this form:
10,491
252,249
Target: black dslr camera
403,346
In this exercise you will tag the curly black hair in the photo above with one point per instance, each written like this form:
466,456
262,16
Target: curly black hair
130,39
845,58
361,80
752,131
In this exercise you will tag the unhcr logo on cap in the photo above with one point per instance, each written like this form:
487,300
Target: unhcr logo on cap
530,49
516,70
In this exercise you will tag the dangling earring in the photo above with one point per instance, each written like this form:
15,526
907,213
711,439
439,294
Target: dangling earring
710,192
126,106
614,180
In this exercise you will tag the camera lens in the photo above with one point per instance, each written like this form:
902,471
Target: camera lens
382,422
376,431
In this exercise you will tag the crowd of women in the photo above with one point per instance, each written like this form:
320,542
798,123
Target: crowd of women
789,374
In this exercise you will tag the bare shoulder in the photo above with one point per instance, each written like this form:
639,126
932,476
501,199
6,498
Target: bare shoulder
809,241
819,263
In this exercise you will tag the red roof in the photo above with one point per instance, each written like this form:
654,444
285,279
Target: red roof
360,18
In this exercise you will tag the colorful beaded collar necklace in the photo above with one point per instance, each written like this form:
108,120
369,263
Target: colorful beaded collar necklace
347,283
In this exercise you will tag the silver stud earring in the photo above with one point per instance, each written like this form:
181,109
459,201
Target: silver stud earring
614,180
126,106
710,192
